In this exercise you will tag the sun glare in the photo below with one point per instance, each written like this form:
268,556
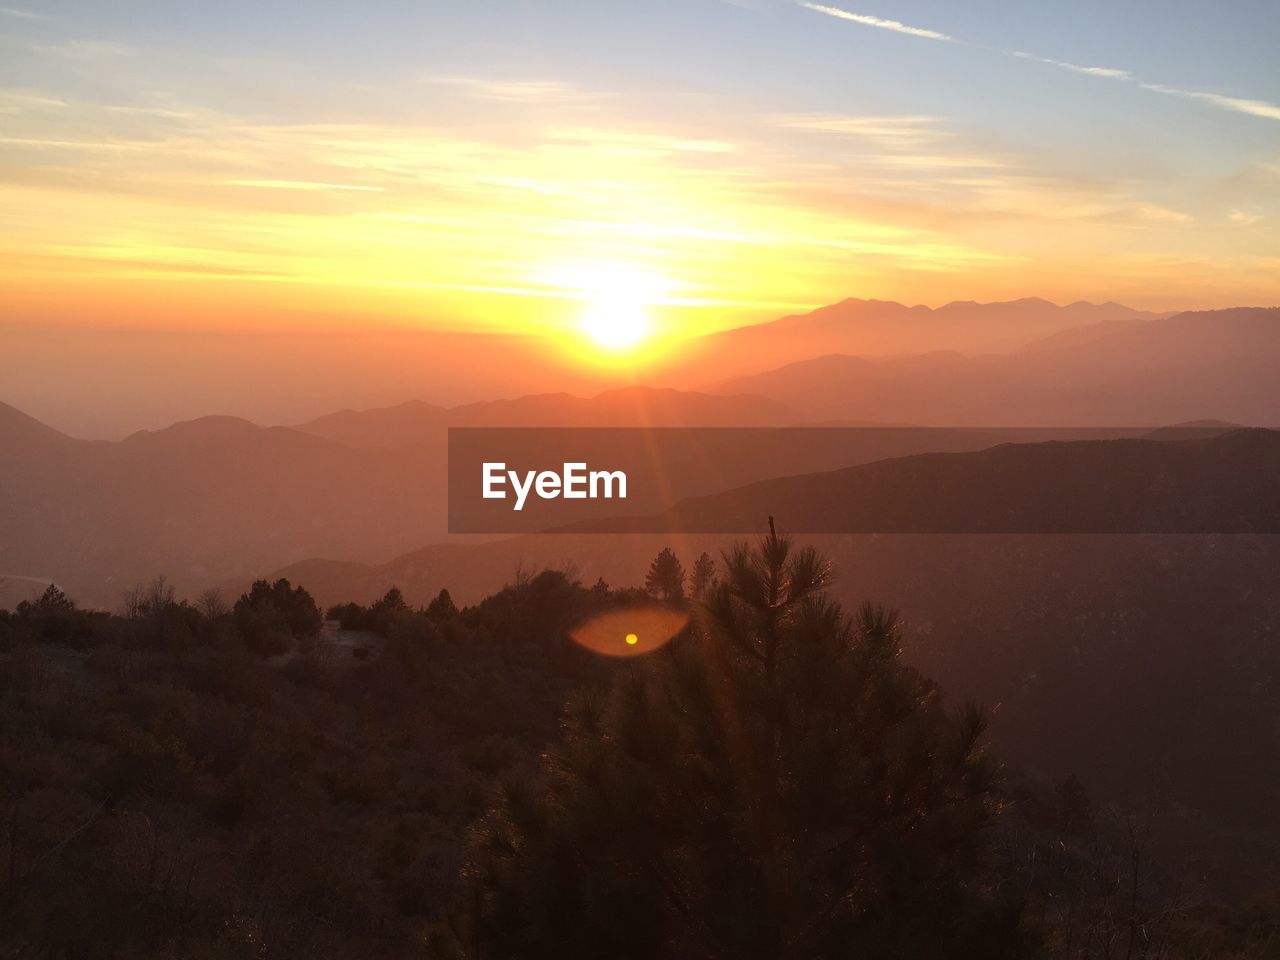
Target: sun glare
615,323
617,301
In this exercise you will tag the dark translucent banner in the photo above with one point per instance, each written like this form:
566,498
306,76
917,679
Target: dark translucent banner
1211,479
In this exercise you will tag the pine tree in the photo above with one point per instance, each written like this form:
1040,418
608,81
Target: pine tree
665,579
704,576
441,606
53,603
392,602
780,786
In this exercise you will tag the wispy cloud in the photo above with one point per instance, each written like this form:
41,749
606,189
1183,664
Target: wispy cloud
303,185
21,101
1154,212
523,91
1244,218
1245,105
869,21
21,14
85,51
901,142
893,130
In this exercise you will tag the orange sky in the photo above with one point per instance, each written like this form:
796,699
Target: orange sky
151,178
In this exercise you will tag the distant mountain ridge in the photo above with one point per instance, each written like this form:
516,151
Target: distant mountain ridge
1206,364
288,376
415,421
211,498
885,328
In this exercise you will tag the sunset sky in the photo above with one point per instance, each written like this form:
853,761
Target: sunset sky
507,165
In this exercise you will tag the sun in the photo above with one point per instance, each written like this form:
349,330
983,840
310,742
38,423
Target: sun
615,322
616,300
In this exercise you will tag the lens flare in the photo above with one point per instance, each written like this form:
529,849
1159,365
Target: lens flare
630,631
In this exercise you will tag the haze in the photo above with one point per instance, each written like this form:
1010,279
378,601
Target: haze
266,199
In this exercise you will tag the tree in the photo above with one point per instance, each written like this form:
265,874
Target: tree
53,615
392,602
149,600
384,613
665,578
211,603
441,606
781,786
52,603
704,576
276,608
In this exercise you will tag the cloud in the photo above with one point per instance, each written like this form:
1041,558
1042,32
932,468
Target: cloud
869,21
1156,213
518,91
303,185
895,142
22,101
22,14
889,130
1243,218
85,51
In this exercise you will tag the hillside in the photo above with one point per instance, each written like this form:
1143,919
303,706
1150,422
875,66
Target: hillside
1229,483
1128,660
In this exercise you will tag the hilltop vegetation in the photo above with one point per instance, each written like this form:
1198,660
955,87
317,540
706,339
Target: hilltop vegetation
216,779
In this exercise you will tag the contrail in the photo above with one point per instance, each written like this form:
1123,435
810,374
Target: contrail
1249,106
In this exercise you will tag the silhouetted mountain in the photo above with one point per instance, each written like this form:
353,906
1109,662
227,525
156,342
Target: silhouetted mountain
1219,483
1192,428
415,421
1228,483
1193,365
879,328
1076,336
408,422
207,500
288,376
202,500
21,434
629,406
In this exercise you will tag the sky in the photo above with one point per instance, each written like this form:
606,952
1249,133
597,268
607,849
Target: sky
529,166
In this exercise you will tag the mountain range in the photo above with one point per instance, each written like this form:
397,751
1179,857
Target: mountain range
212,499
216,500
290,375
1217,364
885,329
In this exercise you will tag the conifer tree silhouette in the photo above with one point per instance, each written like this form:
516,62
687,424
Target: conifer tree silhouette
780,785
